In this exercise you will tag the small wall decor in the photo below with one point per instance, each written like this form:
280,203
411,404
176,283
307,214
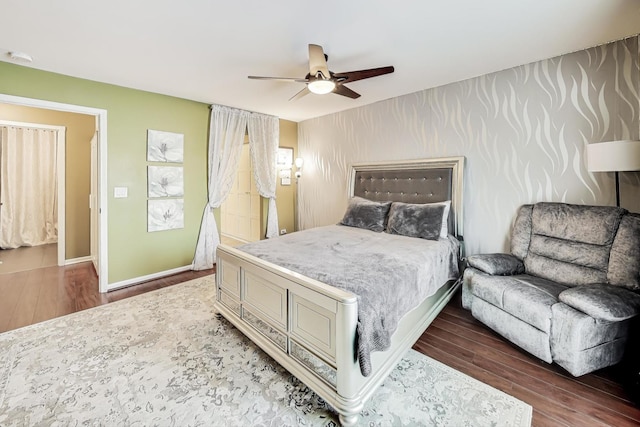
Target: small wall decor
165,181
285,177
165,146
284,163
284,159
165,214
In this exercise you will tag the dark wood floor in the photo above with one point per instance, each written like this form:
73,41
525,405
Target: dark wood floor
455,338
33,296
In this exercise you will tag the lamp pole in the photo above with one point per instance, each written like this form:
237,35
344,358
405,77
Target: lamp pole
617,188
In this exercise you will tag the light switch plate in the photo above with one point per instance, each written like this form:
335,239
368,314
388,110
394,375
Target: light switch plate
120,192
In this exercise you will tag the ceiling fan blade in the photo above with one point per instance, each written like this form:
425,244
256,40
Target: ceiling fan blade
300,94
352,76
345,91
282,79
317,61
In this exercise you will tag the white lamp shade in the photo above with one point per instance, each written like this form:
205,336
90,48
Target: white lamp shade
613,156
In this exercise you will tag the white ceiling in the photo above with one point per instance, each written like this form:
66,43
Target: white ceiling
205,49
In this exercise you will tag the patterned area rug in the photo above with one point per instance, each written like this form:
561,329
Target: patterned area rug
164,358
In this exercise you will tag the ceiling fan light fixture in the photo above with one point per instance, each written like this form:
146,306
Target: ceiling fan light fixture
321,87
320,80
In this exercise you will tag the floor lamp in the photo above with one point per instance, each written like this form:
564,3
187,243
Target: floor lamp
614,156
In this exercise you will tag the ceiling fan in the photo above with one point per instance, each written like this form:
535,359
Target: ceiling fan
320,80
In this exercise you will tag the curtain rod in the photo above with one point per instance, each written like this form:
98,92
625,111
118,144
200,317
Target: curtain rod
242,109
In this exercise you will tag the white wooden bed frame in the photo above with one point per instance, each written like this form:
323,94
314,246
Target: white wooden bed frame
309,327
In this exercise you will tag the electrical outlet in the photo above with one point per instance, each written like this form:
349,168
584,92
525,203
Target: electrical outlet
283,231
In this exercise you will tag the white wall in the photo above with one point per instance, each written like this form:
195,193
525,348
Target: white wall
522,130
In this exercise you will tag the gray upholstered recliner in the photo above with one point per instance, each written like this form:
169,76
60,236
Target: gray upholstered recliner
567,292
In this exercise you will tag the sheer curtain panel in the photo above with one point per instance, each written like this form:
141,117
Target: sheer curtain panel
264,134
226,136
28,190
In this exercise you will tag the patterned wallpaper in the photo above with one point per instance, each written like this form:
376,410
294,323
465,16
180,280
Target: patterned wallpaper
523,132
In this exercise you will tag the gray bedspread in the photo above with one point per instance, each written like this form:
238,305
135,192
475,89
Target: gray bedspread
390,274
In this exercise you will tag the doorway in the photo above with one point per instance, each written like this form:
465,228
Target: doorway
240,213
99,171
32,195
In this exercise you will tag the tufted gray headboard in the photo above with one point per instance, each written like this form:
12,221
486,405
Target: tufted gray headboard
413,181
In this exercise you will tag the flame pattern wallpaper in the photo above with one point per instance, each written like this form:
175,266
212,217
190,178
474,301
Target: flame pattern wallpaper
523,131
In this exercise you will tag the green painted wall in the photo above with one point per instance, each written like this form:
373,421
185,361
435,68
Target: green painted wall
132,251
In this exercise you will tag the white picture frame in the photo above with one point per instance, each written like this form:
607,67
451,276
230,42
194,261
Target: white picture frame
165,181
284,158
165,146
165,214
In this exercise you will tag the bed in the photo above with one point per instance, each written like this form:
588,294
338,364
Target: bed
293,298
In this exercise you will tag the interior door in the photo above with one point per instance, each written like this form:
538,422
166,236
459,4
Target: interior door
240,213
93,204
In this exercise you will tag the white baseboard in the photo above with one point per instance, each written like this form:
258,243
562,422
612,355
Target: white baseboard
77,260
140,279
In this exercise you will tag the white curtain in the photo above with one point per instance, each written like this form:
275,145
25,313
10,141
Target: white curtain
226,136
29,187
264,134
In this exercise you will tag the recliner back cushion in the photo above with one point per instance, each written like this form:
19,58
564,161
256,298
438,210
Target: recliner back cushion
584,254
570,244
521,234
580,223
624,261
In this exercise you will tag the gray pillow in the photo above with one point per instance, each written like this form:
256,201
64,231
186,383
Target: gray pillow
367,214
444,231
416,220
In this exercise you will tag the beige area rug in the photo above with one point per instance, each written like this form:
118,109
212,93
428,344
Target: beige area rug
165,359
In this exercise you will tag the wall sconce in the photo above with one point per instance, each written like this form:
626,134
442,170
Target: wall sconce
299,163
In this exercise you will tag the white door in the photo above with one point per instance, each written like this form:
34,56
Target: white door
240,213
93,204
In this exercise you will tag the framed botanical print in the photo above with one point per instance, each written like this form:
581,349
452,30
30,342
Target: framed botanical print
284,159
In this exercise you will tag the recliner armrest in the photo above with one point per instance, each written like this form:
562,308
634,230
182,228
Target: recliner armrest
496,264
603,302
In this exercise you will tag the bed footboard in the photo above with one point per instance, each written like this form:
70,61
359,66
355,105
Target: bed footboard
309,327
